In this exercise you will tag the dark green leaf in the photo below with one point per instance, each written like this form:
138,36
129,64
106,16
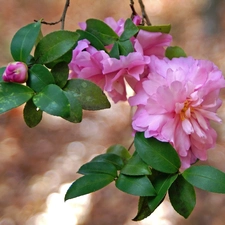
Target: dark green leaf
162,28
13,95
125,47
161,183
136,166
87,184
89,94
110,158
98,167
24,41
55,45
135,185
39,77
175,52
115,52
182,196
2,70
143,209
120,151
102,31
75,109
159,155
60,73
206,177
53,101
32,116
95,42
129,30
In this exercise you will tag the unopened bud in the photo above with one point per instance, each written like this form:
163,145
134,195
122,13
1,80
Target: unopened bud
16,72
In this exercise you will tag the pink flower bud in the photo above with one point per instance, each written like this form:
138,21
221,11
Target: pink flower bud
15,72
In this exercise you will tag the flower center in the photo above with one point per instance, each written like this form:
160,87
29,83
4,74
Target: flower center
185,112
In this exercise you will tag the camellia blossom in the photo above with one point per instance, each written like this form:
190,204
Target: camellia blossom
16,72
176,102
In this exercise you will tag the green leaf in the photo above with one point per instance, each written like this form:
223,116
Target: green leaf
24,41
115,52
75,109
125,47
60,73
102,31
95,42
135,185
39,77
143,209
182,196
129,30
159,155
87,184
175,52
53,101
161,28
89,94
161,183
136,166
2,70
120,151
13,95
98,167
55,45
110,158
32,116
206,177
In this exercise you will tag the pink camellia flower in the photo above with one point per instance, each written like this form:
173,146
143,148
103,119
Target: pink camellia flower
16,72
86,63
176,102
108,73
152,43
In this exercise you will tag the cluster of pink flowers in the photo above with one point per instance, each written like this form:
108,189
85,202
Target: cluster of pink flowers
175,99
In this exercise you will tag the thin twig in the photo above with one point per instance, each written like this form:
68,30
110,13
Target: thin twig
62,19
144,14
132,9
130,145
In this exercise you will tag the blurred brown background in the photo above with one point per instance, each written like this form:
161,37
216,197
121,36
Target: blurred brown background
37,165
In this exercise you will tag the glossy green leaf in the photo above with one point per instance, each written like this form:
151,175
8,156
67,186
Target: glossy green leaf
136,166
87,184
60,73
161,28
95,42
98,167
110,158
135,185
54,45
89,94
39,77
32,116
53,101
182,196
159,155
24,41
102,31
120,151
2,70
75,109
13,95
143,209
175,52
161,183
206,177
115,52
125,47
129,30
